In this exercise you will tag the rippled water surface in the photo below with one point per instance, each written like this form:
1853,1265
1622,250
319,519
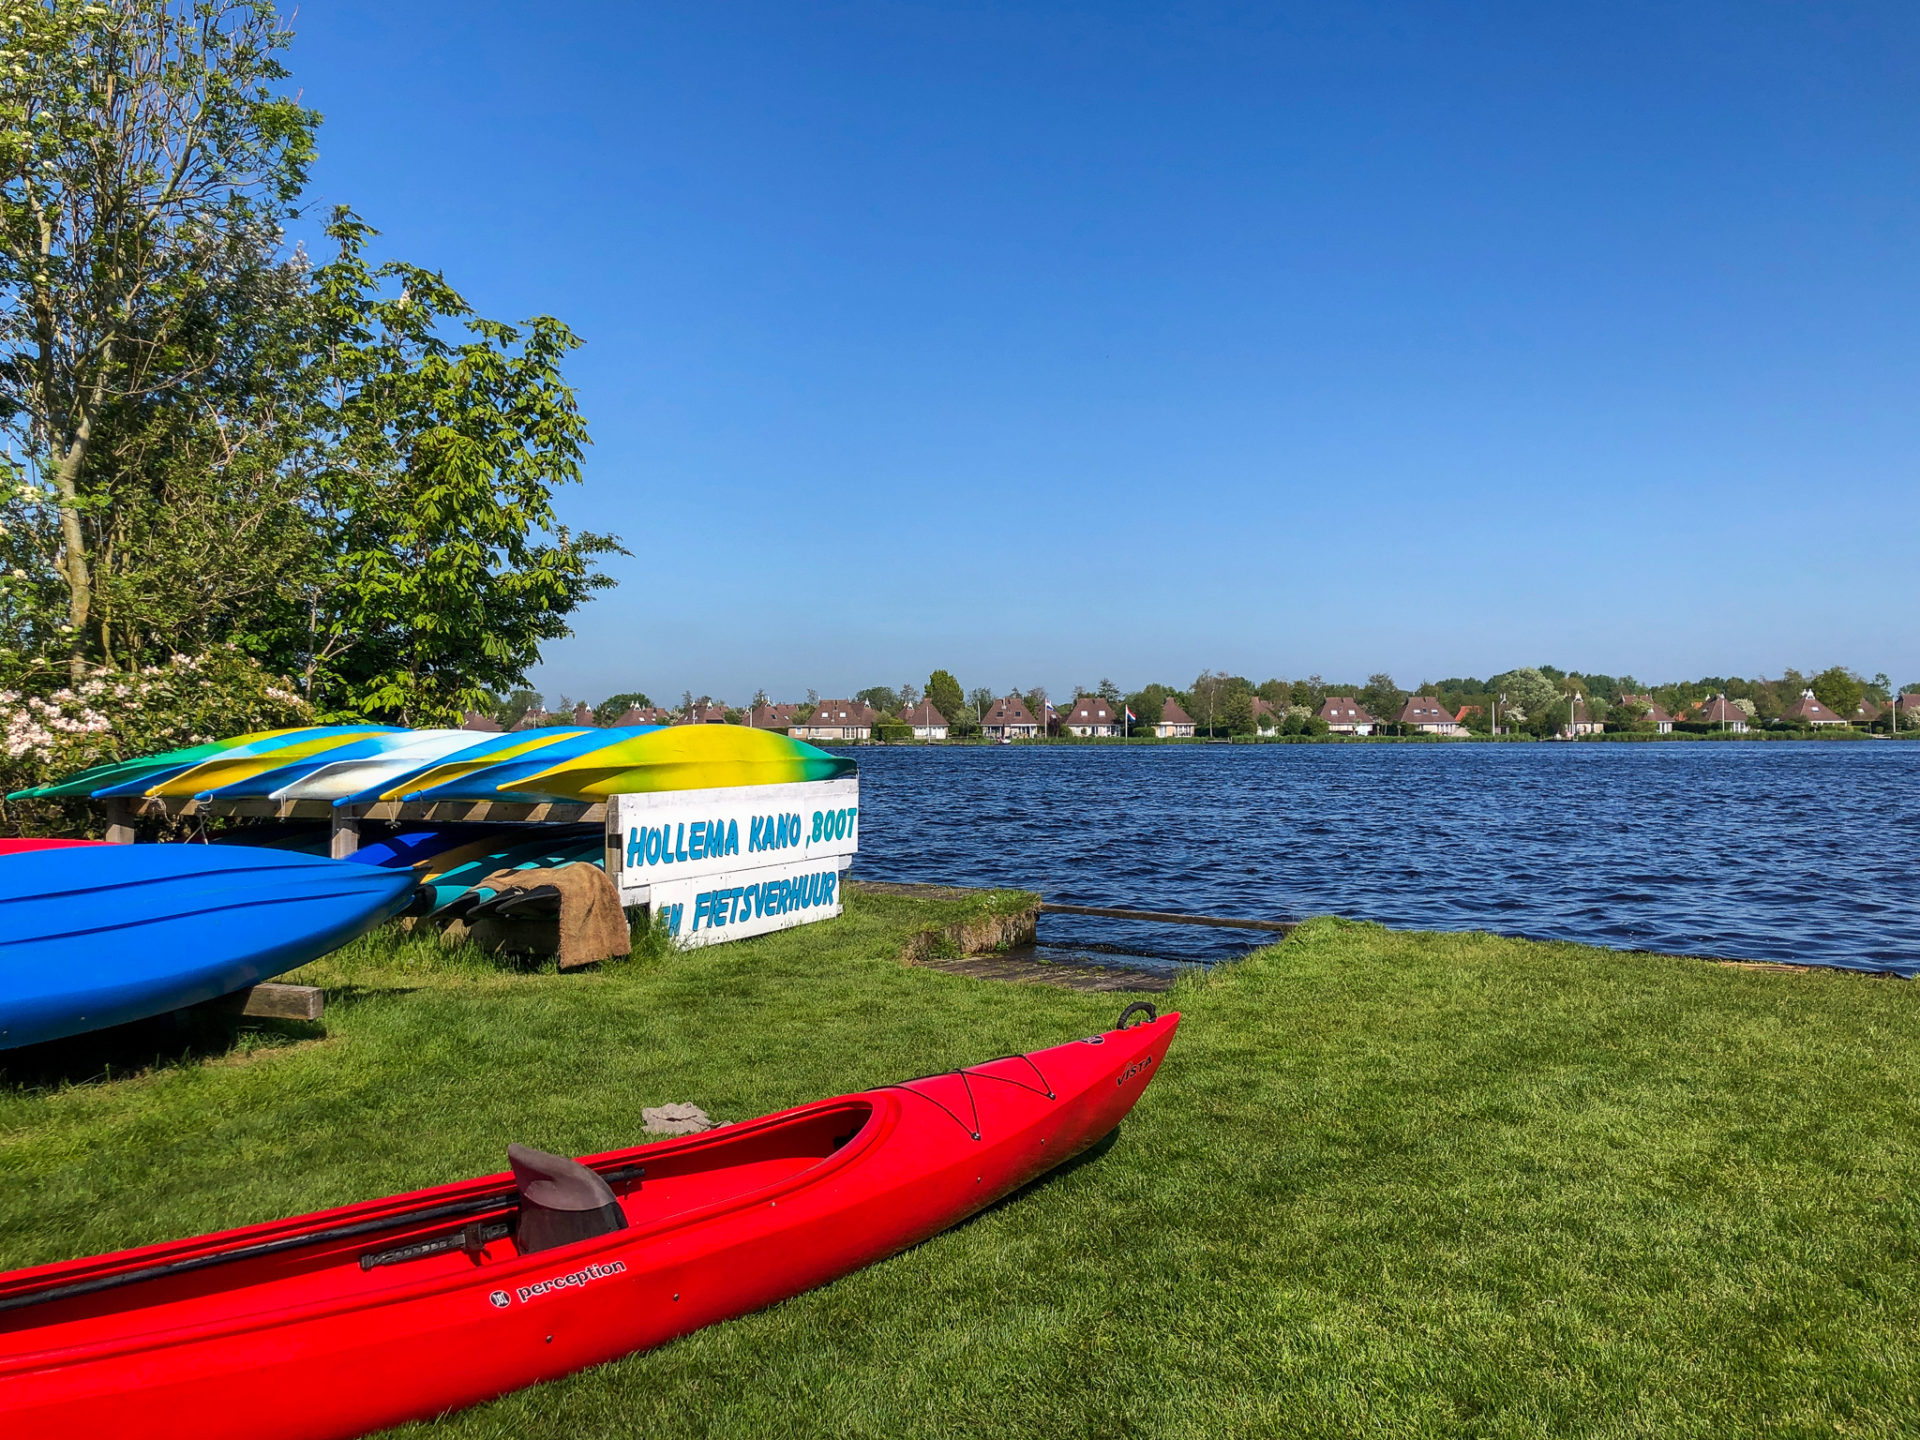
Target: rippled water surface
1803,852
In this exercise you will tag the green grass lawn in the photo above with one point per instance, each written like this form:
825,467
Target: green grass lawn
1387,1183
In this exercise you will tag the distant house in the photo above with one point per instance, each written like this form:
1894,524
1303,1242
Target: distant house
1809,711
1174,723
474,720
1906,712
927,721
1466,710
1662,722
583,715
704,715
1009,719
1580,719
1425,715
1266,715
643,715
1091,715
534,719
1344,716
1865,713
837,720
1723,714
773,717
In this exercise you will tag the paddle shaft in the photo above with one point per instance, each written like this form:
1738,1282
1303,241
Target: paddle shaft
456,1210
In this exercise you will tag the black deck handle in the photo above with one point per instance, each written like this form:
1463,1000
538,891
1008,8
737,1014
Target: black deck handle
1140,1007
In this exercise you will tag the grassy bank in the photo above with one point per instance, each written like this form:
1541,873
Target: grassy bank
1393,1184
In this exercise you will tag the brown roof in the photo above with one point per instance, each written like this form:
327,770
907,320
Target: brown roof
1091,710
476,721
1866,710
1344,710
583,715
1010,711
1651,710
643,715
704,715
1720,709
1579,712
534,719
1172,714
924,715
1810,710
1263,707
844,712
773,717
1422,710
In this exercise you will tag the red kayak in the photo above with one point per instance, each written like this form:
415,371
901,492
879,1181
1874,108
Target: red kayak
351,1320
22,847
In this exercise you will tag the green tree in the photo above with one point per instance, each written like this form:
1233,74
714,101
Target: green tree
1529,693
1381,698
1146,706
147,160
1236,712
433,466
945,693
1108,691
1839,689
881,697
1208,694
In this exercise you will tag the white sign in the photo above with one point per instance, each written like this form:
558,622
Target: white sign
713,909
671,836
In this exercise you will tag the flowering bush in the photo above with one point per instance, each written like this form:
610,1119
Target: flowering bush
118,715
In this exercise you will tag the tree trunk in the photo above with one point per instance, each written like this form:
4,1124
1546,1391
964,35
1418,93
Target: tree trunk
73,540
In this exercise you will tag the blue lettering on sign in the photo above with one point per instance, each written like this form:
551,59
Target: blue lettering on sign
721,907
714,839
772,832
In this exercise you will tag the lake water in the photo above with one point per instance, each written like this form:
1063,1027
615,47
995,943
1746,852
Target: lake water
1806,852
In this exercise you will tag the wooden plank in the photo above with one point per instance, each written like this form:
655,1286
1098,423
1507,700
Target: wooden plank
120,829
275,1002
1167,917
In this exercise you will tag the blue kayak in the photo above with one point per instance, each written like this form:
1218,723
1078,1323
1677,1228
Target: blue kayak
104,934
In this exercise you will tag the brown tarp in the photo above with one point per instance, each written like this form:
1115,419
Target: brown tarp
591,925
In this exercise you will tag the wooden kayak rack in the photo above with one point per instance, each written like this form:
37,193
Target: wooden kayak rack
123,813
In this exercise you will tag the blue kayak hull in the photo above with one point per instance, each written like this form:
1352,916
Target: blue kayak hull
112,933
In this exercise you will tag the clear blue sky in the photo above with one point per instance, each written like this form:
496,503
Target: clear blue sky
1046,343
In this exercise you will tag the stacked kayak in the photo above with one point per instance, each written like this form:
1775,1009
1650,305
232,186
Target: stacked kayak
405,1307
366,764
221,758
99,935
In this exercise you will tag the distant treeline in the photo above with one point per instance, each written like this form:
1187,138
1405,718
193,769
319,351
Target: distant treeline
1535,700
